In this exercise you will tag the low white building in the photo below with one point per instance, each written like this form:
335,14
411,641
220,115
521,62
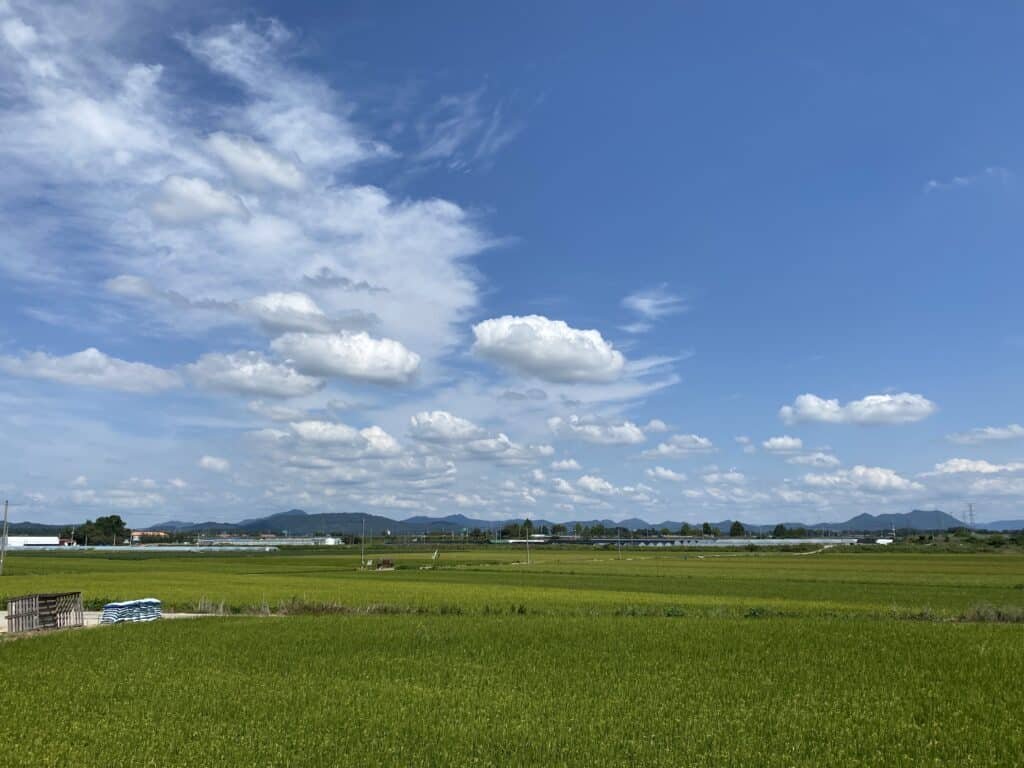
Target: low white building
21,542
276,541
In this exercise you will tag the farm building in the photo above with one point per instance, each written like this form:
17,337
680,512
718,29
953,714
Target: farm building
20,542
280,541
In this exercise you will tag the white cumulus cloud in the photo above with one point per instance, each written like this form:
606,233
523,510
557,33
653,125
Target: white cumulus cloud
501,449
681,445
563,465
214,464
378,442
662,473
861,478
251,374
595,485
974,466
326,432
548,349
901,408
292,311
730,477
596,431
443,427
783,444
352,355
370,441
470,501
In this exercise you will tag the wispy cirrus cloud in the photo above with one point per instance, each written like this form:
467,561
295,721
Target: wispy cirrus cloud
161,184
987,434
651,305
91,368
463,131
990,173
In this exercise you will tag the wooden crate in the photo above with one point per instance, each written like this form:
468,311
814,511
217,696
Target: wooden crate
55,610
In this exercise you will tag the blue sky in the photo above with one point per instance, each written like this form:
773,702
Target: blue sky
694,262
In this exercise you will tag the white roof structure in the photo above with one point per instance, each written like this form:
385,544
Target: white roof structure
18,542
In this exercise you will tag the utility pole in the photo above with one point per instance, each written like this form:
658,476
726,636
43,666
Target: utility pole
362,547
970,515
3,541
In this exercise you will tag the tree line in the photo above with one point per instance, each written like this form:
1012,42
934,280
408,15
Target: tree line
598,530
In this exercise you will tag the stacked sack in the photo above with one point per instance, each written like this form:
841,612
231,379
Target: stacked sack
147,609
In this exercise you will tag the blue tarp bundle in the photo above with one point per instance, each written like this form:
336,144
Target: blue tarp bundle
147,609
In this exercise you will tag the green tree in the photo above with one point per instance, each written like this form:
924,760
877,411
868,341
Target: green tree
706,529
686,530
779,531
736,529
105,530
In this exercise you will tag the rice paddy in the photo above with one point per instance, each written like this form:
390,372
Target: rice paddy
657,659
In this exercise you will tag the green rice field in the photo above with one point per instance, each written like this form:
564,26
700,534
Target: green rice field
581,658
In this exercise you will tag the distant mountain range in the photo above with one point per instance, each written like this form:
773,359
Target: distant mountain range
296,522
300,523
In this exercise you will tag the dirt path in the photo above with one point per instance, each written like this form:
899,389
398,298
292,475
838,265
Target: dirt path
92,618
814,551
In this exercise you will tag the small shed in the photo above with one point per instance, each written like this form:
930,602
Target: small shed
56,610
